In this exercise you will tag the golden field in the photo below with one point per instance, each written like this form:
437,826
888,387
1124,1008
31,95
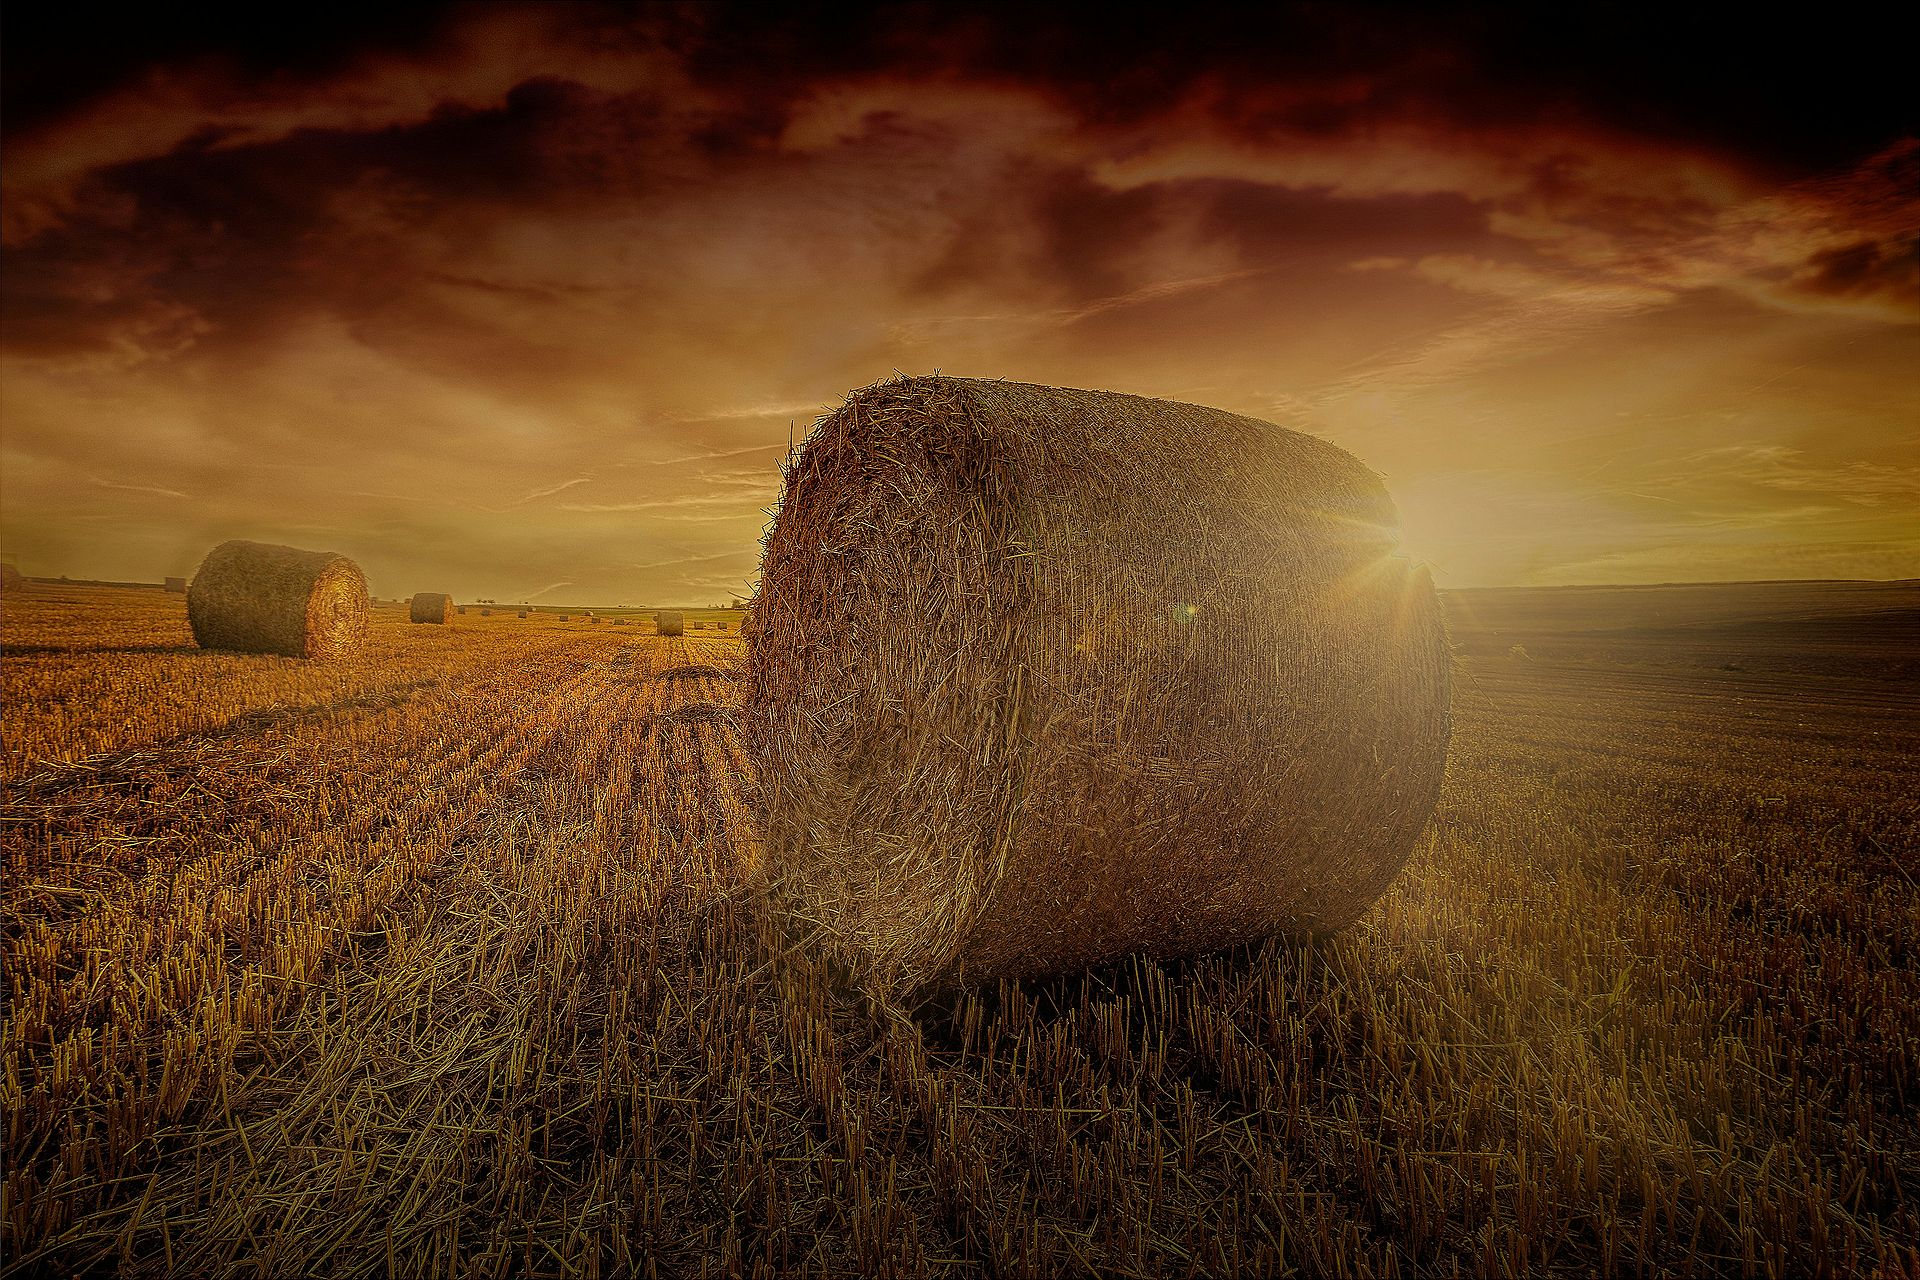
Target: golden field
440,962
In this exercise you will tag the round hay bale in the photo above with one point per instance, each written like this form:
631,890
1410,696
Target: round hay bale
486,613
667,623
431,606
260,598
461,610
1042,677
10,578
522,613
176,586
565,618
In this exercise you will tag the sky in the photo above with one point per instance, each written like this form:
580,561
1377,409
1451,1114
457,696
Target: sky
529,302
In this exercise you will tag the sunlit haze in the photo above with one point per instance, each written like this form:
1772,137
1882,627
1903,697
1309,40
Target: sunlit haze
529,302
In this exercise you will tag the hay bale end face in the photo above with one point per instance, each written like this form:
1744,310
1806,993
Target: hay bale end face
431,606
175,586
522,613
257,597
667,623
461,610
486,613
11,578
1041,677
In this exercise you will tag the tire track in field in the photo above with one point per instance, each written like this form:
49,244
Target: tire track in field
595,829
171,986
594,749
110,816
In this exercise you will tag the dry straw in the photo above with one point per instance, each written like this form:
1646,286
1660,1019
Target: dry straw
522,613
260,598
669,624
1040,677
430,606
178,586
11,578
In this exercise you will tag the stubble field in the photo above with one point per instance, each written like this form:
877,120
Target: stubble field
441,962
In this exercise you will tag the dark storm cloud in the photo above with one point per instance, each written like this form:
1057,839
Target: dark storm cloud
534,258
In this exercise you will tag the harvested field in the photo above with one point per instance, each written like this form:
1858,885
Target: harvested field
438,959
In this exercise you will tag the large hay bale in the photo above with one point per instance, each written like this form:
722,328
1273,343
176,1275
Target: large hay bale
1041,677
261,598
178,586
667,623
10,578
430,606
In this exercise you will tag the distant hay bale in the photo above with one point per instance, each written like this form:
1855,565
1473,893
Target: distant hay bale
11,578
669,624
431,606
522,613
1042,677
177,586
260,598
565,618
486,613
461,610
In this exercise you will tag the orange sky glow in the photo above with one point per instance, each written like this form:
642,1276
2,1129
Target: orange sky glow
528,302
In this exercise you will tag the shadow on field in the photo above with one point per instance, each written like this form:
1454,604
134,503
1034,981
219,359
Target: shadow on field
1140,1023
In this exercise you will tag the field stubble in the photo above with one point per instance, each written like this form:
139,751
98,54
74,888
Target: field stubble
441,961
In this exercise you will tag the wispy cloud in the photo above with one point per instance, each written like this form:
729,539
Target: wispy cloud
720,453
1782,467
736,553
552,489
153,489
923,329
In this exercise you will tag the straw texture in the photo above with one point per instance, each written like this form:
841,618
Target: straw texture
1039,677
258,597
430,606
669,624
